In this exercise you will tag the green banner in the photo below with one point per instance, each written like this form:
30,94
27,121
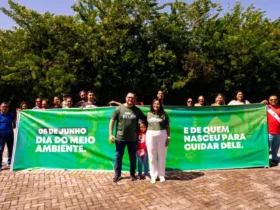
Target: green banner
201,138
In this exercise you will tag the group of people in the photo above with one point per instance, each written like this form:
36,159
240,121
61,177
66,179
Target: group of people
146,136
219,100
87,100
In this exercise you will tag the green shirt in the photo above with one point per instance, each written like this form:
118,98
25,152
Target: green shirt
127,122
156,122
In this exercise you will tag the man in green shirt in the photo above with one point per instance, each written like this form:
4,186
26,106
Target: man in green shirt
126,117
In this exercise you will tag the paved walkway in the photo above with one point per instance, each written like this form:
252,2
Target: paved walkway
221,189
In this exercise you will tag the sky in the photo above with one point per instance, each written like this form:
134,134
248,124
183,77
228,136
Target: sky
271,7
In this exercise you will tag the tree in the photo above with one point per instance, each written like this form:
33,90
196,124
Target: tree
116,46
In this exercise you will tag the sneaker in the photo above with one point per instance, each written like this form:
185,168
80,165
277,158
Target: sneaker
116,178
162,179
147,178
133,178
153,180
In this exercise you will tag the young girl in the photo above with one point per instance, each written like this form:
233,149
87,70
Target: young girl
142,151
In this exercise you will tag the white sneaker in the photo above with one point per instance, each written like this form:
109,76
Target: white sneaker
153,180
162,179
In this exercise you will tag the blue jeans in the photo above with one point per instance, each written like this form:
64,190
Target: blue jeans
120,147
274,143
143,160
9,140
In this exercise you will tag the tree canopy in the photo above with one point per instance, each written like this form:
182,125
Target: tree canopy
116,46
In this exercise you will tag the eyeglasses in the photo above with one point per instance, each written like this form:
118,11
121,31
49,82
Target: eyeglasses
273,99
189,101
38,101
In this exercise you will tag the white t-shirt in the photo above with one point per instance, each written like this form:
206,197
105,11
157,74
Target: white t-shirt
234,102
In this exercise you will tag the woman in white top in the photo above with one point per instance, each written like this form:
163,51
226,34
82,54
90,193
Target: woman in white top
239,99
157,140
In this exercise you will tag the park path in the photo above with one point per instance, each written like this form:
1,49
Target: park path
257,188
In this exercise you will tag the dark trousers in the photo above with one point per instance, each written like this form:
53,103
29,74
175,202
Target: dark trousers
9,140
120,147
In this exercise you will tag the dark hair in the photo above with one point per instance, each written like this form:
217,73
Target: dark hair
131,93
83,91
160,111
22,103
47,103
188,99
239,91
273,95
143,122
65,95
90,92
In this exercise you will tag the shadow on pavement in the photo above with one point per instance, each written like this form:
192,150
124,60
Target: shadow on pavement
180,175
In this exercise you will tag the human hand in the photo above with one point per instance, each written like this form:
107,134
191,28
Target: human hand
264,102
112,138
167,141
111,103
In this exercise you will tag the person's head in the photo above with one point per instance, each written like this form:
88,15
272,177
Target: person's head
220,99
69,102
201,100
156,107
83,94
90,96
45,104
189,102
64,96
239,96
130,99
56,101
4,107
38,102
143,126
273,100
24,105
160,95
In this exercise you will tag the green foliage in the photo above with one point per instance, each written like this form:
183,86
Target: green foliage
116,46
